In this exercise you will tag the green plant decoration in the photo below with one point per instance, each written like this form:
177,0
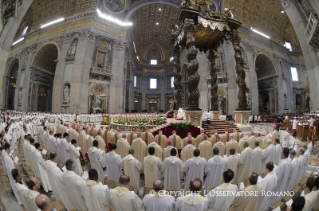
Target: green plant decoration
142,126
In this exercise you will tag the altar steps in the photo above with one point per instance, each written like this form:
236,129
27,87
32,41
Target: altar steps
220,126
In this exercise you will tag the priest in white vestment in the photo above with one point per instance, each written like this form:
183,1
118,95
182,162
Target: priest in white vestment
8,165
158,201
232,162
158,149
267,184
132,168
123,146
55,175
206,148
194,201
113,164
302,161
167,150
283,172
140,148
173,168
73,186
65,148
217,198
121,198
311,193
278,149
95,195
244,164
231,144
309,144
187,151
214,171
306,159
268,155
257,157
96,159
22,189
40,169
75,156
83,141
194,168
244,203
152,168
295,169
286,142
34,186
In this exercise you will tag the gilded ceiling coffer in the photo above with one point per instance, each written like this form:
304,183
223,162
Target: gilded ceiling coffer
199,28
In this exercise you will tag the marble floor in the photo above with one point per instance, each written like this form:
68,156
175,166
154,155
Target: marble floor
10,203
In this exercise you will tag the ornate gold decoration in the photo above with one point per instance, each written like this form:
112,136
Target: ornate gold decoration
213,78
307,88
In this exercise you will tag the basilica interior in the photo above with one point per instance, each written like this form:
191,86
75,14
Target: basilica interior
57,56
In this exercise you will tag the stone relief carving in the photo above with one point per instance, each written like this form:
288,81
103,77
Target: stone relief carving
20,97
66,94
72,49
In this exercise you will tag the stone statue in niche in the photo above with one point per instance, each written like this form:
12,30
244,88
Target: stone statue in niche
66,94
308,104
96,105
20,97
72,49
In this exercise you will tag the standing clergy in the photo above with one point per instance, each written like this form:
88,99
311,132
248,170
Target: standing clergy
268,155
8,165
64,148
147,136
132,168
286,142
295,168
113,164
283,172
267,184
116,136
55,175
236,135
189,137
252,140
268,136
244,163
159,201
278,149
213,138
194,168
173,168
22,189
176,140
244,203
121,198
200,137
225,137
158,149
131,136
194,201
231,144
152,168
257,155
221,146
40,170
187,151
73,186
167,150
241,143
213,169
140,147
89,141
95,196
75,156
206,148
274,135
101,141
218,202
109,136
123,146
232,161
96,159
161,139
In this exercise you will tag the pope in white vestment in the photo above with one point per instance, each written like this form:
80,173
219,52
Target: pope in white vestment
96,159
214,171
194,168
173,168
152,168
132,168
113,165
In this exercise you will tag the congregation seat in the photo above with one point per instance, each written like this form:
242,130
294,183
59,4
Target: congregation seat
59,206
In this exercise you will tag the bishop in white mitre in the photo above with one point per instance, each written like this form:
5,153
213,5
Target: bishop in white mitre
173,168
57,183
194,168
96,159
158,148
75,156
268,184
123,146
132,168
40,169
152,168
257,157
219,202
213,169
187,151
268,155
206,148
140,148
113,164
73,186
244,164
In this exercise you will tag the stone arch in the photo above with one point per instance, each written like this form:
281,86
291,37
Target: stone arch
104,94
10,83
266,67
51,52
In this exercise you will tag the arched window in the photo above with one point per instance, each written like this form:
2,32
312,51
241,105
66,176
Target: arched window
25,30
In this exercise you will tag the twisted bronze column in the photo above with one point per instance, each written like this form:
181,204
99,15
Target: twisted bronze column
213,78
193,76
177,77
241,75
